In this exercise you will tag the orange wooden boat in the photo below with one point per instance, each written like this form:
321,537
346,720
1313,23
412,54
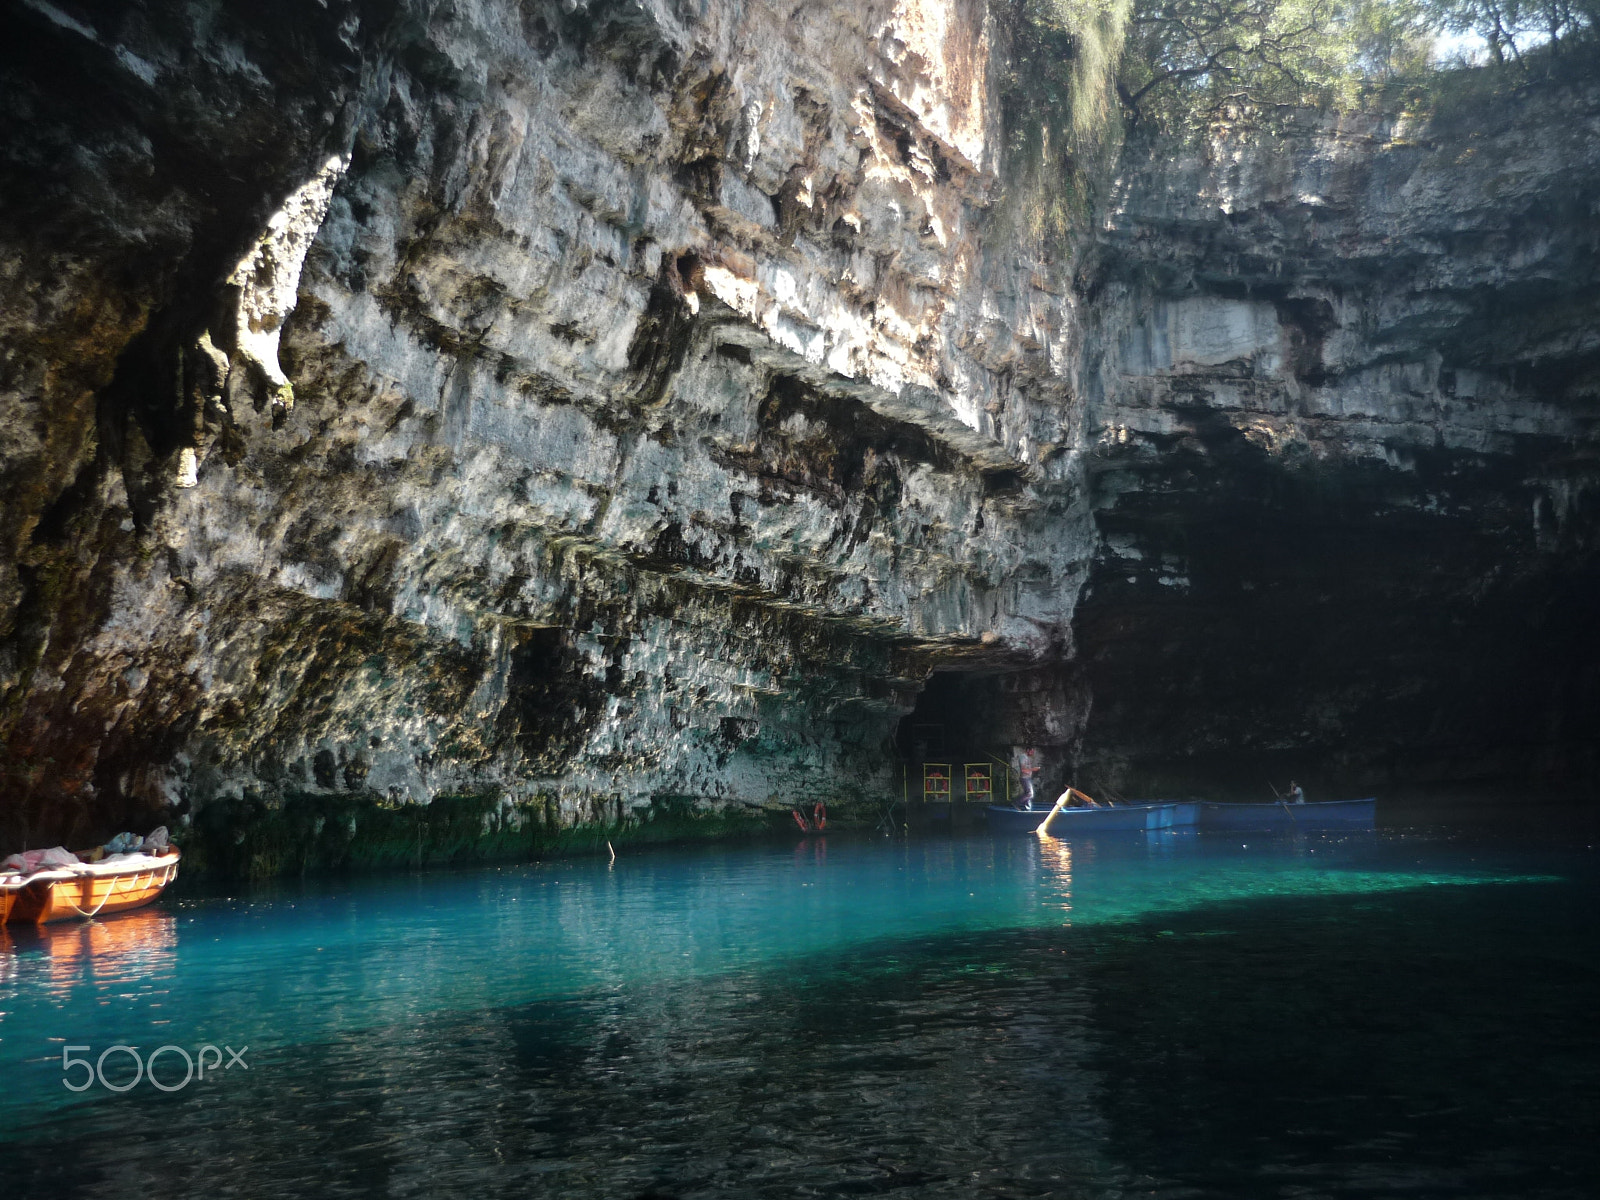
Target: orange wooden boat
87,890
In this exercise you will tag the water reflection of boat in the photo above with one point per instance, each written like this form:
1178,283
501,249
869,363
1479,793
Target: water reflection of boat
86,890
1319,815
147,933
1065,822
136,948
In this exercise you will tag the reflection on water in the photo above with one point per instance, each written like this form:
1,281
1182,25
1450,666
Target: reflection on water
1011,1017
1055,857
135,949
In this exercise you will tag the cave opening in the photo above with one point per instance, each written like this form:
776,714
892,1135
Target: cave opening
1365,632
971,724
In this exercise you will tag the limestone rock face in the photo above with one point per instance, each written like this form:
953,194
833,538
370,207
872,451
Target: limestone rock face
615,401
1344,457
603,401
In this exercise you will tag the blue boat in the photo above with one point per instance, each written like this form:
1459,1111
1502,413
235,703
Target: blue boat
1282,815
1066,822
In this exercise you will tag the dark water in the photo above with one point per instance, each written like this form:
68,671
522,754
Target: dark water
1159,1015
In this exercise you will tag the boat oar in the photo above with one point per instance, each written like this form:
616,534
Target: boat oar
1060,804
1283,802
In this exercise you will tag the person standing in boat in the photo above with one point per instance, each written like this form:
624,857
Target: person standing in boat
1027,769
1295,796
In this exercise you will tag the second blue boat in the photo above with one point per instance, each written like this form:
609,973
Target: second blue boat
1065,822
1174,814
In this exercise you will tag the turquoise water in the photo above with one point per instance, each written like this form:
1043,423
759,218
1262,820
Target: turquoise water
1152,1014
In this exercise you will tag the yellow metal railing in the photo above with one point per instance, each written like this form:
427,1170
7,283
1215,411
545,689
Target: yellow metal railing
978,782
1006,767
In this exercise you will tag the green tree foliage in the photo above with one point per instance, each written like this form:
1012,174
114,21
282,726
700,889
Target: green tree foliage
1217,56
1243,60
1514,29
1061,109
1084,73
1389,39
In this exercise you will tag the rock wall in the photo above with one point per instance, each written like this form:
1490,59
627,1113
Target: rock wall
604,402
633,404
1344,457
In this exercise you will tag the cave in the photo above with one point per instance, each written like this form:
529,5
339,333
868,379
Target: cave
982,718
1360,629
955,722
536,475
532,533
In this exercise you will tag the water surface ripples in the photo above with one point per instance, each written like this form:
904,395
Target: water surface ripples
1154,1015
